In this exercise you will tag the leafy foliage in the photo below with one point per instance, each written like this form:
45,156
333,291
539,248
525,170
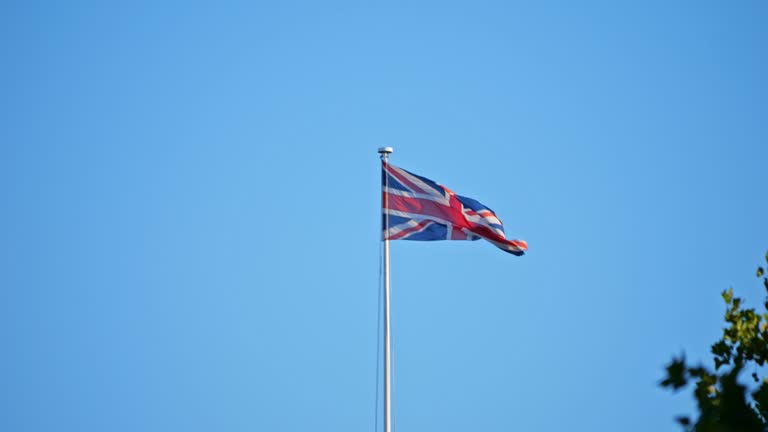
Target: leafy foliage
724,404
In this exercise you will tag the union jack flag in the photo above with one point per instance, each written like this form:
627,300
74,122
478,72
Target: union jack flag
417,208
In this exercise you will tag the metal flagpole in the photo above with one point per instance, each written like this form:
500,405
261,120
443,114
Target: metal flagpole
385,152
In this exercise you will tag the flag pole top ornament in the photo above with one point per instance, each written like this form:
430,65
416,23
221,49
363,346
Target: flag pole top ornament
385,150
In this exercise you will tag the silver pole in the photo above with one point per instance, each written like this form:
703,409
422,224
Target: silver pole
385,151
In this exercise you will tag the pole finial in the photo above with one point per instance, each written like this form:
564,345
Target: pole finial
385,150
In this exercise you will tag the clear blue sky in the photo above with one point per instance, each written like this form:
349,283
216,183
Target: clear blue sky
189,206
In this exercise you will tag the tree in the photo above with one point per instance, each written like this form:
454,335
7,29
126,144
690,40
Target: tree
725,404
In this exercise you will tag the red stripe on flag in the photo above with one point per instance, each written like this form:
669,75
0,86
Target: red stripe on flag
427,208
458,234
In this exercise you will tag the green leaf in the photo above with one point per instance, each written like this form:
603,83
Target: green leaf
676,374
719,363
721,348
760,396
760,271
722,352
728,295
736,303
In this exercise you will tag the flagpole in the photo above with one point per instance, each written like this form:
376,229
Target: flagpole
385,152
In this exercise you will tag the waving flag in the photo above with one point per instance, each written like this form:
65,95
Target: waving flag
420,209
